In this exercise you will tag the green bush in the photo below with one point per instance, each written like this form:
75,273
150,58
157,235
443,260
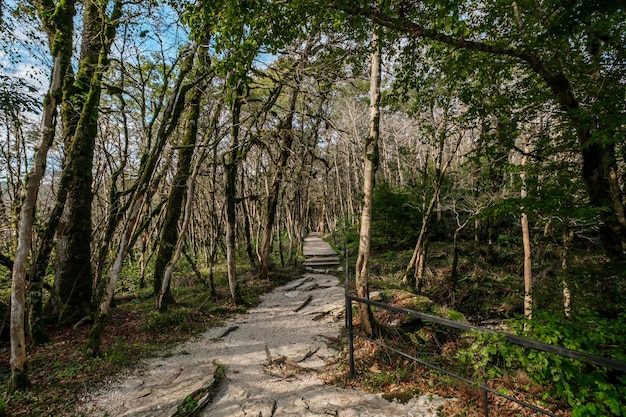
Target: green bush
396,220
589,390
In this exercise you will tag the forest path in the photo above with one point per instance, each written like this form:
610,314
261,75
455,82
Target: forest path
271,356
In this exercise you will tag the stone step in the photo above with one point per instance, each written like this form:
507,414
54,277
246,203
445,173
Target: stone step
329,262
316,259
322,250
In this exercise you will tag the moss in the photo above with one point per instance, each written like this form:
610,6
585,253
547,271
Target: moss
406,299
449,314
18,381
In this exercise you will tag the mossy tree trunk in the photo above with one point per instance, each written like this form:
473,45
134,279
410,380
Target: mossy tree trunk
231,163
73,280
60,30
169,235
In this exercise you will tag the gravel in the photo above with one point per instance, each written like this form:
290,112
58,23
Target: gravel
271,355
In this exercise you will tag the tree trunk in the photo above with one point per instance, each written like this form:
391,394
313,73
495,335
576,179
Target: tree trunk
73,280
172,243
568,236
285,135
60,33
27,216
422,237
454,273
371,164
170,118
169,229
230,194
528,275
248,230
420,264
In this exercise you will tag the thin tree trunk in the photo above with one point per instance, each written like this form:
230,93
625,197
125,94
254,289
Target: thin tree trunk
116,209
411,282
247,229
168,239
420,264
27,215
568,236
528,277
180,244
230,193
170,118
60,34
418,259
285,134
371,164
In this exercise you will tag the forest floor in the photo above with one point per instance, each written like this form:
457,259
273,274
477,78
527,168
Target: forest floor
272,361
286,356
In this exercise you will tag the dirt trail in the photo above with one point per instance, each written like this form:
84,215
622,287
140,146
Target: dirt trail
271,356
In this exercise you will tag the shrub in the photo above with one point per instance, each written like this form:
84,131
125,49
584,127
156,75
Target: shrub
589,390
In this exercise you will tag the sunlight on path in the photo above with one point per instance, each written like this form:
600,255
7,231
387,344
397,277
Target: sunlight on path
271,355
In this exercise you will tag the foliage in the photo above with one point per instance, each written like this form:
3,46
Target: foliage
16,96
590,390
396,221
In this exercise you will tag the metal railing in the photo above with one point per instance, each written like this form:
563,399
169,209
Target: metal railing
514,339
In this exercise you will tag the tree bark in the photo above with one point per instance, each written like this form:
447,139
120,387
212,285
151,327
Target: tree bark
231,163
528,275
73,280
60,33
169,229
369,176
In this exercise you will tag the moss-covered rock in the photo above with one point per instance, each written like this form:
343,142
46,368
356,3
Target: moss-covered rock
406,299
448,313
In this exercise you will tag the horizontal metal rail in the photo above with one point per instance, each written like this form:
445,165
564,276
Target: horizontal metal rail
518,340
482,386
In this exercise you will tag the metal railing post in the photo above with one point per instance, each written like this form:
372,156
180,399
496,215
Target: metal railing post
349,325
485,399
350,334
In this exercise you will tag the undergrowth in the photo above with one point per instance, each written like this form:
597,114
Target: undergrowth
491,293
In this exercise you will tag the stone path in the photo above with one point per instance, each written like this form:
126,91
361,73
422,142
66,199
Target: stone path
271,357
319,254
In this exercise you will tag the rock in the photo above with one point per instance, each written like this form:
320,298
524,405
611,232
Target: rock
375,296
406,299
163,400
448,313
308,286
